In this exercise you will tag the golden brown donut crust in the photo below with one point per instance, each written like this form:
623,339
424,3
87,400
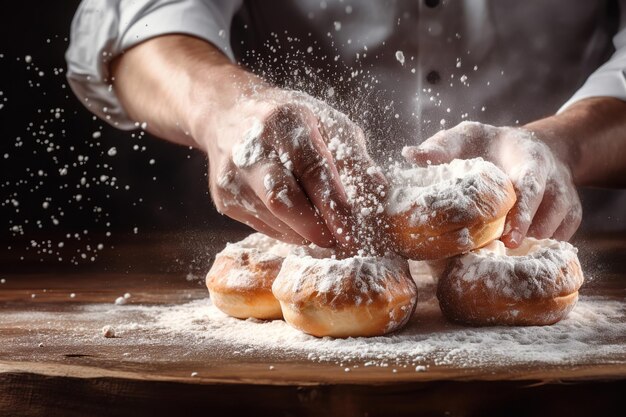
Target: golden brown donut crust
358,296
539,288
240,279
452,215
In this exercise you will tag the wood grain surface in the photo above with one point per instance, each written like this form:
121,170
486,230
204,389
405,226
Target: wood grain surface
55,362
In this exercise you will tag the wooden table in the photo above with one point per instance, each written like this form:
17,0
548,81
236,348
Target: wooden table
55,362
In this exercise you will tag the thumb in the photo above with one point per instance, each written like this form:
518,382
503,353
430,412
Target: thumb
435,150
458,142
420,156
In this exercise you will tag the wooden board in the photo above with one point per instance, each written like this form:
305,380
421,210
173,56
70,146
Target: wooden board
53,340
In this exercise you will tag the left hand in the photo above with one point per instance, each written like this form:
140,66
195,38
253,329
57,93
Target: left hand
547,201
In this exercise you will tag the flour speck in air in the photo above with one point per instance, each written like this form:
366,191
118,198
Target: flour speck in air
400,57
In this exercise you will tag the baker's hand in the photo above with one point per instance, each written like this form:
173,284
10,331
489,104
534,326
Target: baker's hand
274,165
275,156
547,201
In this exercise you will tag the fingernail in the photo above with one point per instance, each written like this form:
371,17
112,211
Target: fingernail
515,237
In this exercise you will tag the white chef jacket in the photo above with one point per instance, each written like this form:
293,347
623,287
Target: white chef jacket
496,61
425,64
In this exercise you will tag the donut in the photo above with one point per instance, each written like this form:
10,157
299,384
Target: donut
357,296
439,211
535,284
240,279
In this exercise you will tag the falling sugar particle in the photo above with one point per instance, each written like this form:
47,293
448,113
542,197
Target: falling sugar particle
112,151
400,57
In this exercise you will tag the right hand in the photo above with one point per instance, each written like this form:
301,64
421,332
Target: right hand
274,156
273,165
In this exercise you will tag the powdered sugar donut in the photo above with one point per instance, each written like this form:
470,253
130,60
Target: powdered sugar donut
240,279
443,210
535,284
356,296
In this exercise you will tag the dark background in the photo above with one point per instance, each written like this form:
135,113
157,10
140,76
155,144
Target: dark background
44,129
148,188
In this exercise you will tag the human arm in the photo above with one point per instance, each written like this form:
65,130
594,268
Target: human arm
585,145
590,137
186,90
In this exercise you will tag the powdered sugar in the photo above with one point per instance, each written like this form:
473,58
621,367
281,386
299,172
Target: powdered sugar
400,57
257,247
278,191
456,189
428,340
250,150
355,280
229,183
593,333
537,269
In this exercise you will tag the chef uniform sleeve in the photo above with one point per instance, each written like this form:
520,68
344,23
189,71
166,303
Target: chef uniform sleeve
610,79
103,29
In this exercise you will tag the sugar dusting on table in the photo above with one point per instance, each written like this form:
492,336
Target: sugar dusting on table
428,340
594,332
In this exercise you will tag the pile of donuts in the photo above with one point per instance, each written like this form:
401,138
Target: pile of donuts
450,214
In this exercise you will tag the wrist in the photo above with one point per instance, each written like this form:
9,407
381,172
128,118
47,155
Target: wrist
586,138
214,101
561,136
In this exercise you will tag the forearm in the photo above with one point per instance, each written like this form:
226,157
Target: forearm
590,137
179,86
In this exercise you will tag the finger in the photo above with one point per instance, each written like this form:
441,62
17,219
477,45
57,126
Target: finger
264,228
240,203
348,146
462,142
302,149
427,154
551,212
571,222
529,188
319,178
262,221
277,188
358,170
